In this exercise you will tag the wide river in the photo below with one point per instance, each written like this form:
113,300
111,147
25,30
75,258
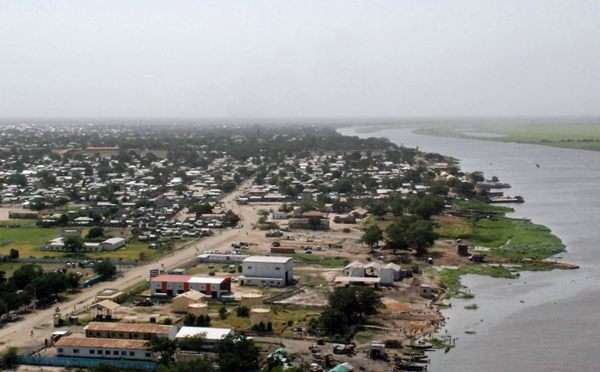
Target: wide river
543,321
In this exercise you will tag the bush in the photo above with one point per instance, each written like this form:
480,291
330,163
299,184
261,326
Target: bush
223,313
243,311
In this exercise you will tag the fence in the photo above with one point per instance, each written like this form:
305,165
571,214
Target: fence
86,362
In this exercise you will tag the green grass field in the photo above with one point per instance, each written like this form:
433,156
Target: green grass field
314,259
584,136
28,239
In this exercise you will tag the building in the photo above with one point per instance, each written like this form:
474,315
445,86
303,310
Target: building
104,310
221,258
172,285
209,335
354,268
140,331
273,271
84,347
113,243
181,302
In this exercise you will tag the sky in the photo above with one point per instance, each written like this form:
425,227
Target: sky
299,59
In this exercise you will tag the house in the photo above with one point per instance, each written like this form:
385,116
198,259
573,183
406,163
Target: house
210,285
354,268
113,243
172,285
273,271
221,258
345,218
310,220
86,347
210,336
103,310
140,331
181,302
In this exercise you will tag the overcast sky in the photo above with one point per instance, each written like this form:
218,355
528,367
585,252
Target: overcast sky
283,58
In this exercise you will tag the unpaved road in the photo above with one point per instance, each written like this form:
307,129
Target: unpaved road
19,334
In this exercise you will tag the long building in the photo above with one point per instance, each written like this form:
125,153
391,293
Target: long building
172,285
86,347
139,331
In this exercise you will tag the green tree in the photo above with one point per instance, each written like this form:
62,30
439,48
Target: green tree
95,232
237,353
164,347
372,236
396,235
106,269
73,244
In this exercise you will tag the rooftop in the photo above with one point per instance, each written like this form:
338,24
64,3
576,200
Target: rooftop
207,279
206,332
128,327
109,343
267,259
171,278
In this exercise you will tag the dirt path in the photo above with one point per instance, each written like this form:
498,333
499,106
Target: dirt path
18,334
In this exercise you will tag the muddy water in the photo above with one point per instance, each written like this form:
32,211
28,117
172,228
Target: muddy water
546,321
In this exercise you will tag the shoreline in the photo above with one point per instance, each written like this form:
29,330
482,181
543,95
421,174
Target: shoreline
549,262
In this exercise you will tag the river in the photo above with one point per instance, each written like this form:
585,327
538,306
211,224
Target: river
543,321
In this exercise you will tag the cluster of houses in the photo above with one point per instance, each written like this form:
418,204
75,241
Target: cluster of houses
316,175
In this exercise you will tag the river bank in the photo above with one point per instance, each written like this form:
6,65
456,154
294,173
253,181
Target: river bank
517,319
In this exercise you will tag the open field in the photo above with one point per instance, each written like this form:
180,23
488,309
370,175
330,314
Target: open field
28,239
583,136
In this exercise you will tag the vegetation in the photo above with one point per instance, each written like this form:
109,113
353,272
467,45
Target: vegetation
106,269
347,307
30,283
325,261
450,278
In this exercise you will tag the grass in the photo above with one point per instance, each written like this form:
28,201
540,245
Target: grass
583,136
454,228
516,239
450,278
130,252
282,318
478,206
313,259
507,238
28,240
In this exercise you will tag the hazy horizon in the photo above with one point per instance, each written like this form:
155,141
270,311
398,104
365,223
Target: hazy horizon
299,60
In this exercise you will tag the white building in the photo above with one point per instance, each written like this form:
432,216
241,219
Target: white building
209,335
88,347
273,271
113,243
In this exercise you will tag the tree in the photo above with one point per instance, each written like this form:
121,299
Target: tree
25,275
223,312
243,311
427,206
95,232
237,353
421,235
14,254
347,307
164,347
196,365
73,244
372,236
106,269
396,235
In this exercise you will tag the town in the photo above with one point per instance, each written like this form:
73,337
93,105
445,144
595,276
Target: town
235,248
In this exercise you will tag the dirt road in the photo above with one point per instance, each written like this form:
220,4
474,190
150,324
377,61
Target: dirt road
37,326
